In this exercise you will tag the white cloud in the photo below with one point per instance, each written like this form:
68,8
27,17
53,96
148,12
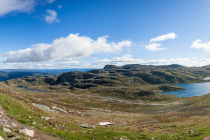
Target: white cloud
60,6
126,59
197,44
50,1
119,61
164,37
8,6
51,16
154,47
65,48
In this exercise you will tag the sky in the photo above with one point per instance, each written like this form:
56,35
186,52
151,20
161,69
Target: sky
65,34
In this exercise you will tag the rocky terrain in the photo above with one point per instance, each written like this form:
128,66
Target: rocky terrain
121,103
129,81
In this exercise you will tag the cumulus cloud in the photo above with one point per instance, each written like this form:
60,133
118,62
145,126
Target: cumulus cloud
154,47
119,61
164,37
197,44
8,6
51,16
65,48
128,59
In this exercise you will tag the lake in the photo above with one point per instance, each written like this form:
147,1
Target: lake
193,89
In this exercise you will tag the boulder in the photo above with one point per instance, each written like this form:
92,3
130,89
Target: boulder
7,130
14,125
27,132
87,126
15,138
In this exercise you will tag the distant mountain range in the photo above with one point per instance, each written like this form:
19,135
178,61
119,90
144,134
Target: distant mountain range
8,74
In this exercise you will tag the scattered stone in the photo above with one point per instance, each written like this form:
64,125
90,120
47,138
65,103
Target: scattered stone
87,126
33,122
45,118
54,107
7,130
43,107
192,131
14,138
27,132
124,138
14,125
105,123
6,126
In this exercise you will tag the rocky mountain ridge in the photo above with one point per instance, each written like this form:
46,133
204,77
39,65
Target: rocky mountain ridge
122,79
112,75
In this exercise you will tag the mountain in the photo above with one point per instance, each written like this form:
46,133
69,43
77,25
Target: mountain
110,103
129,81
8,74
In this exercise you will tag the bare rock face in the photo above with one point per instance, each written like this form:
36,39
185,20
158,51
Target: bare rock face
107,67
27,132
72,77
50,79
7,130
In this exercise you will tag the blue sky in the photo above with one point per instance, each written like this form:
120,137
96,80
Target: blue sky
92,33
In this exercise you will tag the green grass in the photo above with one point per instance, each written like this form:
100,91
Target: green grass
21,111
164,129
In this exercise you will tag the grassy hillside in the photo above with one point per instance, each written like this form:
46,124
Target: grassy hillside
126,96
182,118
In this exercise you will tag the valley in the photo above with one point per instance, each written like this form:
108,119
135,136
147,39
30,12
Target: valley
75,104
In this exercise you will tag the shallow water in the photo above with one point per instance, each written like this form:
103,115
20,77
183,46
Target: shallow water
193,89
26,88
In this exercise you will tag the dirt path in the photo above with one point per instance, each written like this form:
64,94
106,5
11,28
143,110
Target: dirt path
8,122
207,138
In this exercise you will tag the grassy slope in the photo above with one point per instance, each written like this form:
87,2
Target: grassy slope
174,124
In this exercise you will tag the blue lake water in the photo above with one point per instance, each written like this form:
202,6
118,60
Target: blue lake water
193,89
